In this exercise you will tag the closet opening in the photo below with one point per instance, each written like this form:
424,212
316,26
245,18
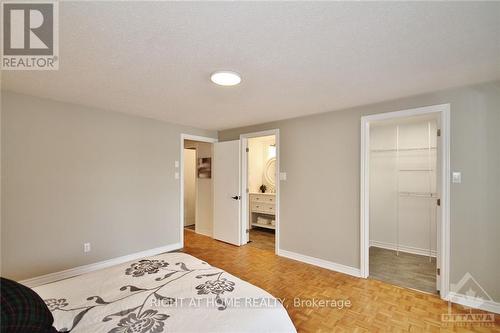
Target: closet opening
196,185
189,188
404,202
259,204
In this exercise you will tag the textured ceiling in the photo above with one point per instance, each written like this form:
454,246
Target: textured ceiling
154,59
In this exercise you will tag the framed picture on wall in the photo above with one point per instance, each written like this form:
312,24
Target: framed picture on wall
204,167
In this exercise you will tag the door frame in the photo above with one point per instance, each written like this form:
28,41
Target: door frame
244,184
443,111
181,177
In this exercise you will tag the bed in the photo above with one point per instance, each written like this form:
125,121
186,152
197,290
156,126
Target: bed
171,292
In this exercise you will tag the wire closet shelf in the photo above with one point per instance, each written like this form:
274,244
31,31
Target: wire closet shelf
430,152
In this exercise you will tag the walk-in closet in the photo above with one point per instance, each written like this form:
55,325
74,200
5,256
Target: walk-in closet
403,202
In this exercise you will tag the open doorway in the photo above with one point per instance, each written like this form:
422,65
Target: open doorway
403,201
230,204
197,185
190,192
404,206
260,179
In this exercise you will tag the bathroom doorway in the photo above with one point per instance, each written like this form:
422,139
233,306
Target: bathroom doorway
260,183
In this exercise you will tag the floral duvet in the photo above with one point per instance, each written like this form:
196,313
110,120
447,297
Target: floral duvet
172,292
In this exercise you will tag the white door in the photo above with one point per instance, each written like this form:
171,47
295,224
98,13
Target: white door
226,180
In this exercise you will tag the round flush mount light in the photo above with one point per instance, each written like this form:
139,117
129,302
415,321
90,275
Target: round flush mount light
226,78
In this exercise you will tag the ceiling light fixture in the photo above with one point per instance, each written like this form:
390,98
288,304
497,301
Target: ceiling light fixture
226,78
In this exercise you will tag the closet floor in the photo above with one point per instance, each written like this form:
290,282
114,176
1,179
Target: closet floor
262,238
406,270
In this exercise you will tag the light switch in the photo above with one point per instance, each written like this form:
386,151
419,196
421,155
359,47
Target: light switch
176,164
456,177
282,175
176,175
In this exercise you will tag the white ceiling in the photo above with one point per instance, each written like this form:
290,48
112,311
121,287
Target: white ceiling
154,59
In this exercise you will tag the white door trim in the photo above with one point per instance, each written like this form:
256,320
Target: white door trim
443,110
244,197
181,178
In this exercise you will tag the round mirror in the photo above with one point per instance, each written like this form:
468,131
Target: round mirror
270,172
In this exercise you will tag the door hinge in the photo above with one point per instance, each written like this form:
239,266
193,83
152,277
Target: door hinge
248,231
439,202
247,150
438,271
248,191
439,132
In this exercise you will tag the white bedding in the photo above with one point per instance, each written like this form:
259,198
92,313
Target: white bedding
172,292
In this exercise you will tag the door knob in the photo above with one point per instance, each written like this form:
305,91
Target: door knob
236,197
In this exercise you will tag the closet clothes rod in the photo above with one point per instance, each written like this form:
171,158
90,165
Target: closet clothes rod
402,149
418,194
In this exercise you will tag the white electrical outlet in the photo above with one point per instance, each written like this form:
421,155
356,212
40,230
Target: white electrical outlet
176,164
86,247
176,175
282,175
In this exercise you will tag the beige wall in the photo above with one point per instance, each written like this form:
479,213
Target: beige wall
320,199
73,174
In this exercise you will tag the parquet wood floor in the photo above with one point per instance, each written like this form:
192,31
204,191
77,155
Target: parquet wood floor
376,305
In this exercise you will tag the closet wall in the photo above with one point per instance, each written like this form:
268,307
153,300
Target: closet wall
403,185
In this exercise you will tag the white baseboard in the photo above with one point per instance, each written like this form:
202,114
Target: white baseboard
321,263
402,248
486,305
204,232
52,277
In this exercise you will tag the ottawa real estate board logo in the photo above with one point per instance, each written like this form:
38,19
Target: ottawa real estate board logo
470,292
30,35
